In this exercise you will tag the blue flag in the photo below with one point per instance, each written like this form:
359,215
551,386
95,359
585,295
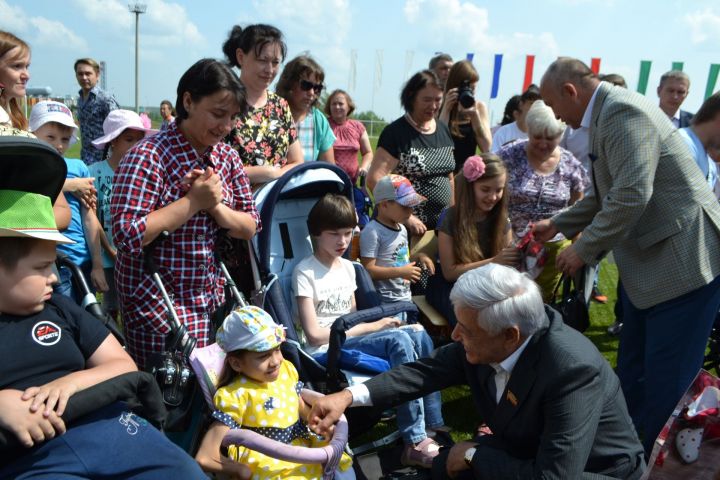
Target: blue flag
469,57
496,75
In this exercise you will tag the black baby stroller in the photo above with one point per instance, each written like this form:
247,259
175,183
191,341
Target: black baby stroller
284,241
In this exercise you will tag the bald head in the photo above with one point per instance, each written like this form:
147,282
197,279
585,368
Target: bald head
566,87
570,70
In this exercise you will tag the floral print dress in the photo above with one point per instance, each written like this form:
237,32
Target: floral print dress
263,135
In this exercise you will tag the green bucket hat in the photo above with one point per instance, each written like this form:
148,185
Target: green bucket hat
28,215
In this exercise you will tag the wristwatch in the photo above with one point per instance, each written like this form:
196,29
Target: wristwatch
469,454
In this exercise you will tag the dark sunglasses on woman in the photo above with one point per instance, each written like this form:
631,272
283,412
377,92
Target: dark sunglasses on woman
306,85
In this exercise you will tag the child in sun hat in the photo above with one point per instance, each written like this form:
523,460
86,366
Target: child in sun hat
122,129
260,391
53,123
52,349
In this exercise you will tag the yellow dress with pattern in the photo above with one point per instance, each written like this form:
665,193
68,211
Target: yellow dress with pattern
253,404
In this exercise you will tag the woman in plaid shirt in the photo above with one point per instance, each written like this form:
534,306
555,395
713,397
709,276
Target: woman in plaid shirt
187,181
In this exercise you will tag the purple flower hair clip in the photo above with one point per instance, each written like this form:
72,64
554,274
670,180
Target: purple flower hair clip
473,168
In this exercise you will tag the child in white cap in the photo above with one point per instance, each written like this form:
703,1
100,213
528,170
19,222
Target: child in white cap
122,130
53,123
259,390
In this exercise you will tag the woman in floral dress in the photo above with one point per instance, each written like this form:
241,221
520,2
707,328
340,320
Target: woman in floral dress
265,136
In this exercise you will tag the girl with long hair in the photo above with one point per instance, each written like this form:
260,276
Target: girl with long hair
475,231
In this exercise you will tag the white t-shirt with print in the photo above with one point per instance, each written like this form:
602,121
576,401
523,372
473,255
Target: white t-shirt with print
331,290
505,135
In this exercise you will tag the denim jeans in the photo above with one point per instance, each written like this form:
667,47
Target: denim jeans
397,346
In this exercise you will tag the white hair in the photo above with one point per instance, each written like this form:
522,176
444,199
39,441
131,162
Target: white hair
502,297
541,120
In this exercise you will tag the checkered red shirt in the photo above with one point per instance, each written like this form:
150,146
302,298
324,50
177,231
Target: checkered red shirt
149,178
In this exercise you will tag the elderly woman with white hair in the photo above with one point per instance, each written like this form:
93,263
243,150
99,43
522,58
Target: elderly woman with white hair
544,178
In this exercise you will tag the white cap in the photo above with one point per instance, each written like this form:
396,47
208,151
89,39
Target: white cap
117,122
50,111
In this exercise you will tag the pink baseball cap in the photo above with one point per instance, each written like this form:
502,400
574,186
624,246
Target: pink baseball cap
117,122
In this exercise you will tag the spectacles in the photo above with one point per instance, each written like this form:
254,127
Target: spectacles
306,85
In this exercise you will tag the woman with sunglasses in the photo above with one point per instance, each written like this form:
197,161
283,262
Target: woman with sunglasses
264,136
301,83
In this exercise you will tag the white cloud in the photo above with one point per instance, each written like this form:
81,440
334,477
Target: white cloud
463,26
321,26
164,24
704,25
39,30
52,32
12,19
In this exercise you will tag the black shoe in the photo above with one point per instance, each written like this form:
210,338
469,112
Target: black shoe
615,328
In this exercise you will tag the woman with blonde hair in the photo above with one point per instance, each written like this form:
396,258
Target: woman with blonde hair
475,231
467,118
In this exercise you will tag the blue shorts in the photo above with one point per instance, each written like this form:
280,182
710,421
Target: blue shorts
108,443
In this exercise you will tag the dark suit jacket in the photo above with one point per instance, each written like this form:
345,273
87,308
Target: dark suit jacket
562,415
685,118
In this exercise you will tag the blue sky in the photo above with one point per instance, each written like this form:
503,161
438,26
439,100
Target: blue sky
174,34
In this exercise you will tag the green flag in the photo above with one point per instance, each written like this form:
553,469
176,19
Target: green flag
712,78
644,76
677,66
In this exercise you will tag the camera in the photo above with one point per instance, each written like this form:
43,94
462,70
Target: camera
465,94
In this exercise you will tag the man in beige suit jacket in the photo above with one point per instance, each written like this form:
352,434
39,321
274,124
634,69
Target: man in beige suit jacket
652,207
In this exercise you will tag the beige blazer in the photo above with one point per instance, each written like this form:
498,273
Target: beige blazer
650,204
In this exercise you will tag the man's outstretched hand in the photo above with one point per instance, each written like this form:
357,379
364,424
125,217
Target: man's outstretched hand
326,411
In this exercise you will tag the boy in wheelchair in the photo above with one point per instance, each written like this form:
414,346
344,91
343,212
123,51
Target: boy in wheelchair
52,349
324,286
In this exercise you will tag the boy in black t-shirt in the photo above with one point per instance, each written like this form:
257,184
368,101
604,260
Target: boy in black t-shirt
51,349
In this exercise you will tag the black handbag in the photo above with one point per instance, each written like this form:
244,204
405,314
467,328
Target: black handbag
570,302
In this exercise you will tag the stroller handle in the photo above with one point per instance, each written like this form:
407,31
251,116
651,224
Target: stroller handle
180,339
89,301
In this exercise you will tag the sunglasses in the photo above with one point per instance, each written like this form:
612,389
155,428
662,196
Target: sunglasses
306,85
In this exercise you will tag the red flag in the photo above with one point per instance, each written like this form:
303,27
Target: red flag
595,65
529,63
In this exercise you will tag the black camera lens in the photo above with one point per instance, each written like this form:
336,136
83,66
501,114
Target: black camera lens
465,95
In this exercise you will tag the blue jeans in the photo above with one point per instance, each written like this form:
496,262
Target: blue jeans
661,351
397,346
108,443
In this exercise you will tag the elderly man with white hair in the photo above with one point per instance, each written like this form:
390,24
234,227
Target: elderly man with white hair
551,400
543,179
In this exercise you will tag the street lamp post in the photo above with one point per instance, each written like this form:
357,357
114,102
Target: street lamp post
137,8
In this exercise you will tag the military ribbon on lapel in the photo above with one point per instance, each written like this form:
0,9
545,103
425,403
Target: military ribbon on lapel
512,398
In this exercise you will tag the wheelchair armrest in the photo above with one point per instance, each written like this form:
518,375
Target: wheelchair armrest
138,389
346,322
328,456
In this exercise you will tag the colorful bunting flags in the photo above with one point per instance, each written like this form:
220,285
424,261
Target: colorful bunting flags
496,76
529,65
712,79
644,76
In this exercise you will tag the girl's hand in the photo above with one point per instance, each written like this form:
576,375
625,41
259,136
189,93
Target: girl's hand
509,256
415,226
54,396
426,262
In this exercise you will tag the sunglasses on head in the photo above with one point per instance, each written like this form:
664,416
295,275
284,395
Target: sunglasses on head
306,85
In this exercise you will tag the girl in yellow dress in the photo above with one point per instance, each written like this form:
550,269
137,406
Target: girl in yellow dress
259,390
